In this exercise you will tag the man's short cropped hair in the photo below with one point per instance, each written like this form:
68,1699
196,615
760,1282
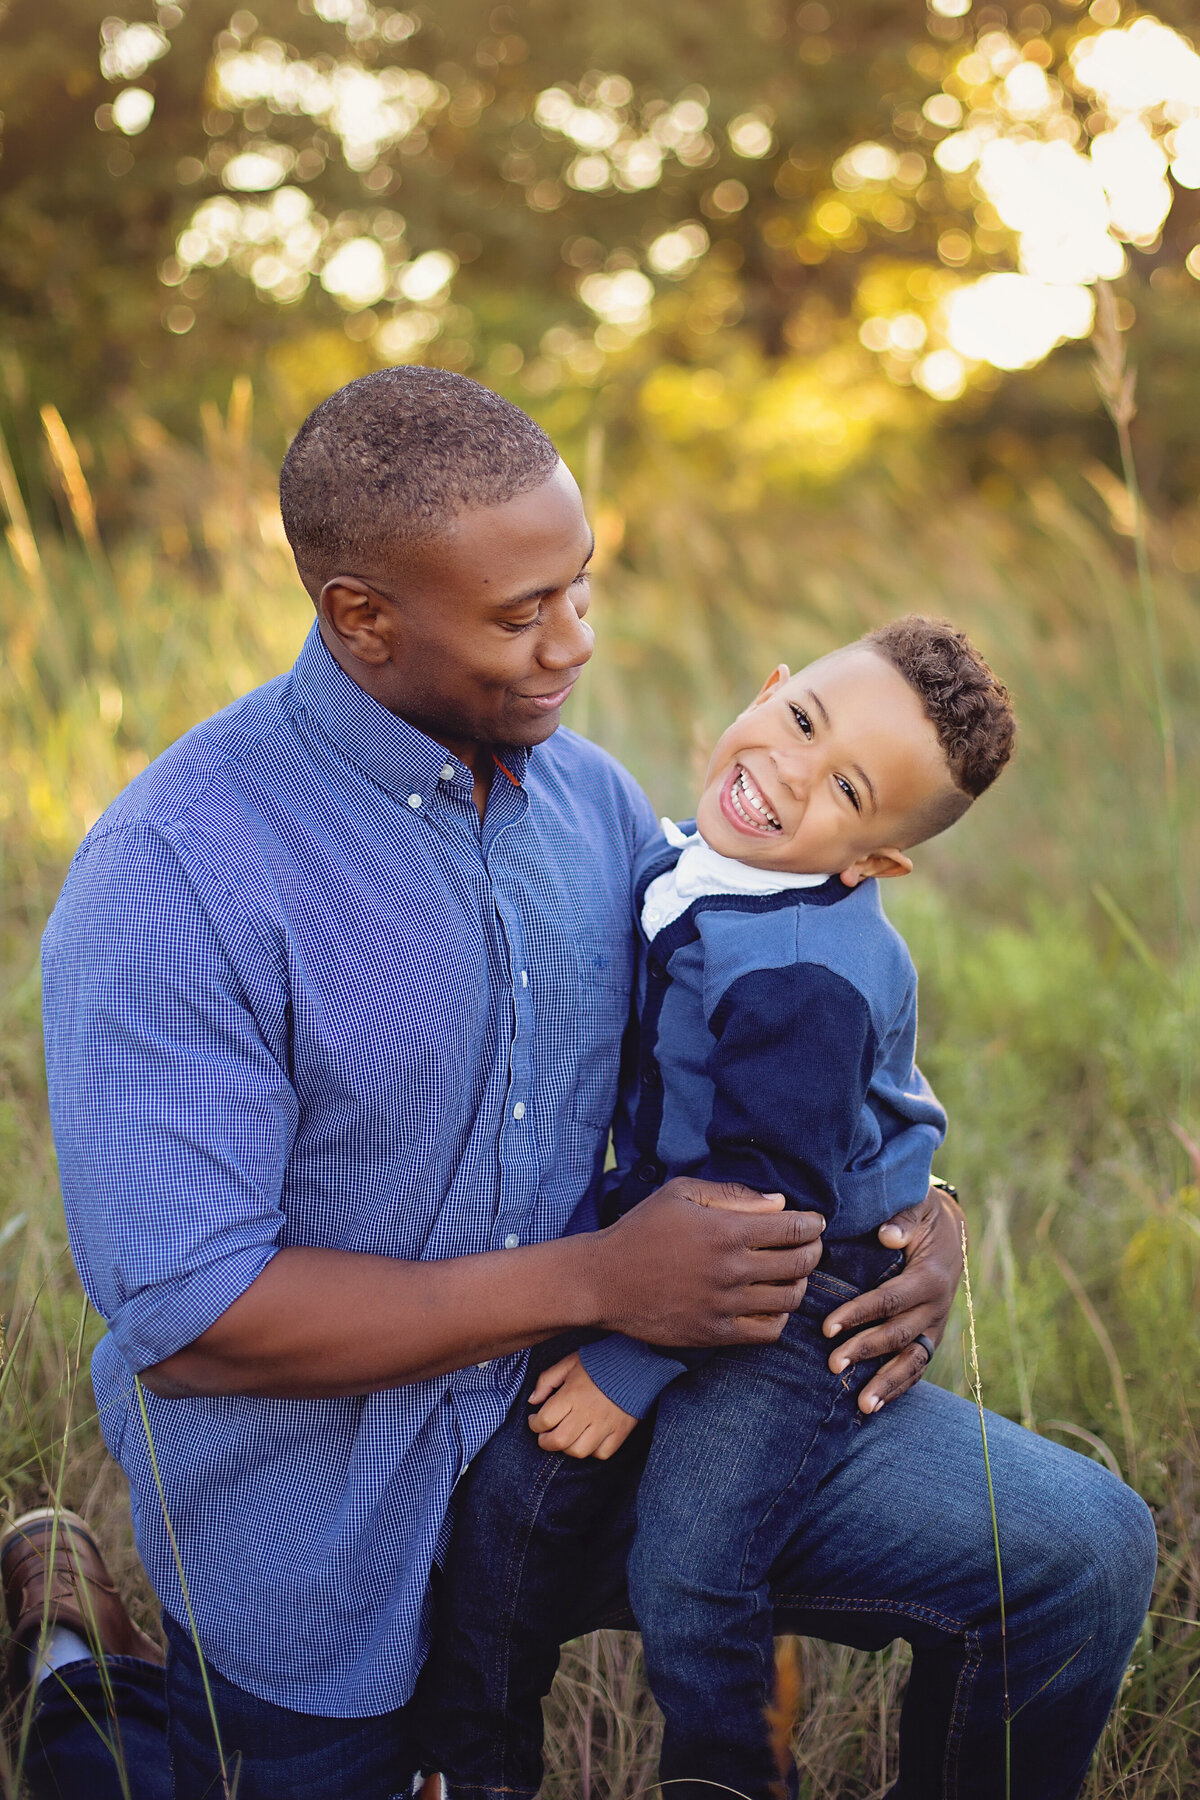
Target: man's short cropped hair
968,707
393,458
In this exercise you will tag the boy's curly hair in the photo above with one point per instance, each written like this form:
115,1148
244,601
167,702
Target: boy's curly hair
968,707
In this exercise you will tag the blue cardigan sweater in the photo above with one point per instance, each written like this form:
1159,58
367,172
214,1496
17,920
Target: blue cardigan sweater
775,1046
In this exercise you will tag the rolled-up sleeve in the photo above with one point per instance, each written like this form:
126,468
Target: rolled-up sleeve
173,1115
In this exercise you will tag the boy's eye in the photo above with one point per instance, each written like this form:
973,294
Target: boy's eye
802,719
521,624
849,792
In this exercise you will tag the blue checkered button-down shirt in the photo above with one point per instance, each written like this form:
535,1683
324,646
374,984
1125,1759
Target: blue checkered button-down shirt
296,993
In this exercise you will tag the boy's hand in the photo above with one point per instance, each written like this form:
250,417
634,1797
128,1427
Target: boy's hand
575,1416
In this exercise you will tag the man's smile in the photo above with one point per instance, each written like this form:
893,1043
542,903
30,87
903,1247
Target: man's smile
550,702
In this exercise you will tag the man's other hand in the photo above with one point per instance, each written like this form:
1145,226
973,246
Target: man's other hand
703,1263
915,1302
575,1416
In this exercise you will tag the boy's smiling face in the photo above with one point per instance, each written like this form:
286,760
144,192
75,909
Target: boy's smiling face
826,772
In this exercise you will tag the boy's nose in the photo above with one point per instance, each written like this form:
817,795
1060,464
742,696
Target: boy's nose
794,774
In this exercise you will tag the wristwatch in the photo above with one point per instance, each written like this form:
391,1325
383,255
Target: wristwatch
937,1182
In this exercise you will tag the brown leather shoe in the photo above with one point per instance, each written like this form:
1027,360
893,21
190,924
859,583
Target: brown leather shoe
53,1574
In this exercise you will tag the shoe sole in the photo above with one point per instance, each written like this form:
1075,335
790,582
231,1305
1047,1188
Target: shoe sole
40,1515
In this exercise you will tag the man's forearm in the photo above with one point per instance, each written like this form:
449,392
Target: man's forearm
325,1322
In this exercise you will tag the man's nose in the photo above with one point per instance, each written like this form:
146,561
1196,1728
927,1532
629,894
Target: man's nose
566,640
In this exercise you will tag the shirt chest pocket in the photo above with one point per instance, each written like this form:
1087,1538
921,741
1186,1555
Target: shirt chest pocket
605,981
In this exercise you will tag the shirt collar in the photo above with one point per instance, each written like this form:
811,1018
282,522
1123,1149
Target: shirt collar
703,870
389,750
698,870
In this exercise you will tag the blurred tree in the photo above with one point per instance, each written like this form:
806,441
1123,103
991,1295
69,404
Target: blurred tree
804,207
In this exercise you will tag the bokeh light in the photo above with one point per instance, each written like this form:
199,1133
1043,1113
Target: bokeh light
357,272
1013,321
1070,205
126,51
132,110
1027,174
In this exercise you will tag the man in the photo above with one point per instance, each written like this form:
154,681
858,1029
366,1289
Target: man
334,998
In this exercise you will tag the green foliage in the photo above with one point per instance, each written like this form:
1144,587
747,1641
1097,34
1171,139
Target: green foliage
1057,1028
623,198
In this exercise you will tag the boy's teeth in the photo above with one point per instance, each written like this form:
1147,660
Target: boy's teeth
745,796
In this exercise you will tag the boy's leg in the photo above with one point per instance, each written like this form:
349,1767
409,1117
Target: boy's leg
525,1523
738,1447
897,1543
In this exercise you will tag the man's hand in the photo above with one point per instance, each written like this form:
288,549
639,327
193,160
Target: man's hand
704,1263
917,1301
575,1416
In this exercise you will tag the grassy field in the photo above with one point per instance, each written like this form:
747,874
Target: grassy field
1059,968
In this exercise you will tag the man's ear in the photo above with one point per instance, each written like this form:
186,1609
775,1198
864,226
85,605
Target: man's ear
357,617
882,864
777,676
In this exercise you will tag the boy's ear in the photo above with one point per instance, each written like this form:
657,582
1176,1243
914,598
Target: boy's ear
882,864
778,675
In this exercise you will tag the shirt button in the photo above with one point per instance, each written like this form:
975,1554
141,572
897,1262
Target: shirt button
484,1365
519,1110
414,800
524,978
448,775
512,1241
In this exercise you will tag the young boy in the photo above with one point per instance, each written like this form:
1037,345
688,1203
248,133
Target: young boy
777,1030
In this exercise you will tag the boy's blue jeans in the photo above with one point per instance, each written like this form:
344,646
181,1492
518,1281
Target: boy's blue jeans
765,1502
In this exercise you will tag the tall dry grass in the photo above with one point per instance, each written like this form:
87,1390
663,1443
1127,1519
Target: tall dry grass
1059,980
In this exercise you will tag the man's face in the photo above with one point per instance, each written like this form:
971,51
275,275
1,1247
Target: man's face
481,637
825,768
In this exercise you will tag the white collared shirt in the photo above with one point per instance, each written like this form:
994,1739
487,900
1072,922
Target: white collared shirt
702,870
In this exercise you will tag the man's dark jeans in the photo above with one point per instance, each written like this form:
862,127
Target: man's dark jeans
896,1541
167,1749
74,1750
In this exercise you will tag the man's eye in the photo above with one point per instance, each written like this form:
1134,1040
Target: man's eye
849,792
521,624
803,721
